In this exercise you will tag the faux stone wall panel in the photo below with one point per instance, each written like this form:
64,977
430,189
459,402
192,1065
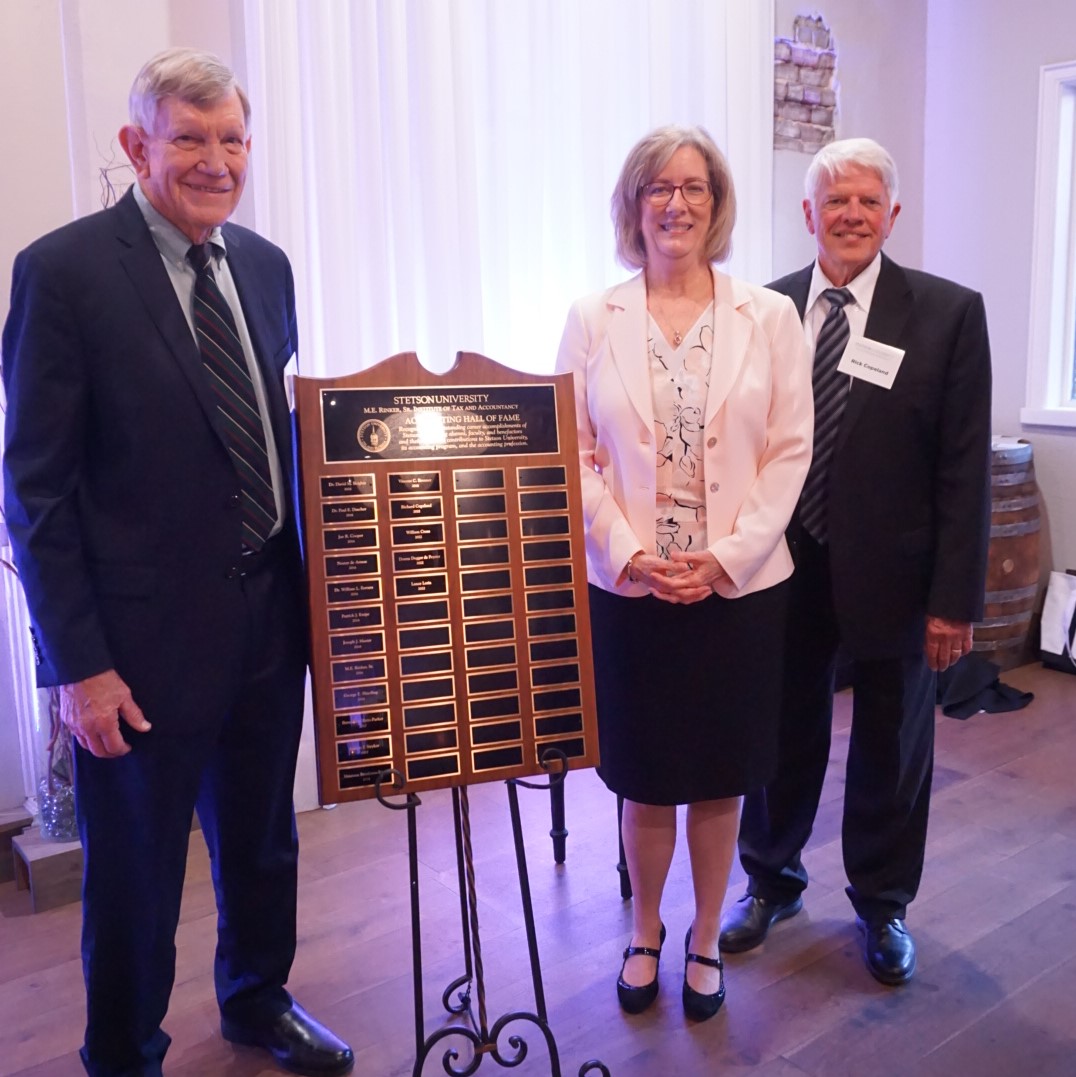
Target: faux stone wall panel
805,86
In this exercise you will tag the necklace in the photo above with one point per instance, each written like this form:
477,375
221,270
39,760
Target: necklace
661,316
689,305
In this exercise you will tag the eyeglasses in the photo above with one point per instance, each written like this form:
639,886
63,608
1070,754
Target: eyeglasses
695,192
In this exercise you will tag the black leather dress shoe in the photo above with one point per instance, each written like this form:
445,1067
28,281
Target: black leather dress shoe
889,950
748,922
635,999
298,1042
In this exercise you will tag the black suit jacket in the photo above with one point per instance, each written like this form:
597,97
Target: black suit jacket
120,496
909,493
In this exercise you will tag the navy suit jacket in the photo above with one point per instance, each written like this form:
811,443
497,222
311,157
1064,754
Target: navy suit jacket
120,496
909,483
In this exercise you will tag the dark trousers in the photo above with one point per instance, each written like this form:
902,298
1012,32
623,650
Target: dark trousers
890,761
135,817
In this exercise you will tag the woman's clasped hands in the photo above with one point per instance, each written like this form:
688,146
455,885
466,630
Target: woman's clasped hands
686,577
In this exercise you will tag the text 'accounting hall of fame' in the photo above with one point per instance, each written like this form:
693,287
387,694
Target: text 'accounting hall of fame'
448,592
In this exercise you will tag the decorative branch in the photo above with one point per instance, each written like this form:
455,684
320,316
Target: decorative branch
115,175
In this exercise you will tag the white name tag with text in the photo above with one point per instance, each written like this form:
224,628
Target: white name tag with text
871,361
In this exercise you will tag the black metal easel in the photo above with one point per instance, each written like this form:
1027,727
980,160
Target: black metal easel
559,833
477,1032
558,829
622,863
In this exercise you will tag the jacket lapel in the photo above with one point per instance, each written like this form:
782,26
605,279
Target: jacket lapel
255,295
244,270
733,330
891,306
628,327
796,287
142,263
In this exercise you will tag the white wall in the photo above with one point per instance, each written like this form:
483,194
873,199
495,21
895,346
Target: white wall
36,192
949,86
35,196
68,65
65,69
882,85
983,63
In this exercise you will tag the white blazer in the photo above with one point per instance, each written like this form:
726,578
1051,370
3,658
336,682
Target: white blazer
758,428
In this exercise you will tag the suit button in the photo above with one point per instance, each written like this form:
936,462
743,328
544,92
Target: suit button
714,487
233,573
711,443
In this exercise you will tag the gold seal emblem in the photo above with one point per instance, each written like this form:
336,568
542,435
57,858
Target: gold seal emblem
373,435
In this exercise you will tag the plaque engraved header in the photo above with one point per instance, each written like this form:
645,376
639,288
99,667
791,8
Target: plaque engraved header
437,422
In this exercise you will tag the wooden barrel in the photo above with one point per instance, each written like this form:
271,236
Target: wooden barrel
1012,574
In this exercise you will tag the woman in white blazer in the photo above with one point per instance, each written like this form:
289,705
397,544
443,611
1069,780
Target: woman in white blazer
694,409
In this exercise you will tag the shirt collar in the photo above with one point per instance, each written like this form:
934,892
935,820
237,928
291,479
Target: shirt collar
170,241
861,286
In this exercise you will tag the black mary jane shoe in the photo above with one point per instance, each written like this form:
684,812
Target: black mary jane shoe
636,999
697,1006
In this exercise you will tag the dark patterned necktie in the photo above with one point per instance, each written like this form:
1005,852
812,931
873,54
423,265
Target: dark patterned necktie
229,378
830,394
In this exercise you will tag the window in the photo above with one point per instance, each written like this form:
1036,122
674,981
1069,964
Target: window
1051,368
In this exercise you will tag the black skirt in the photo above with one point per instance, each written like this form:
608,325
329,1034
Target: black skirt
687,696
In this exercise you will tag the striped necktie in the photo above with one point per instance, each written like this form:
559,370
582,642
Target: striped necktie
229,378
830,394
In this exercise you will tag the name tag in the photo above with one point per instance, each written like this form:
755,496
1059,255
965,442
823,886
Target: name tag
871,361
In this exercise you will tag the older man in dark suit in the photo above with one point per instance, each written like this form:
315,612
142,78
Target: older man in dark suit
890,540
147,477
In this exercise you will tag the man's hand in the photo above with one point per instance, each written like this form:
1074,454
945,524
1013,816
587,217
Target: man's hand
946,642
92,710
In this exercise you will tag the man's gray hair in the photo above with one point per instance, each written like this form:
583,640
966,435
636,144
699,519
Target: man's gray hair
832,160
190,75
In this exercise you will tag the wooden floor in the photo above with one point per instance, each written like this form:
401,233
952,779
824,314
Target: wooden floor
995,922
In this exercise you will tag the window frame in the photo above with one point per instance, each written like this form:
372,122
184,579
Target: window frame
1051,365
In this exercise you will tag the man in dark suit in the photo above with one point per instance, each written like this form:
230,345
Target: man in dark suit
890,540
152,525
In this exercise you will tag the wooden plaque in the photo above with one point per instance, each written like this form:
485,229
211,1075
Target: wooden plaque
443,532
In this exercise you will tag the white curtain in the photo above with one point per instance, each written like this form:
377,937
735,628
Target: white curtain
439,171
